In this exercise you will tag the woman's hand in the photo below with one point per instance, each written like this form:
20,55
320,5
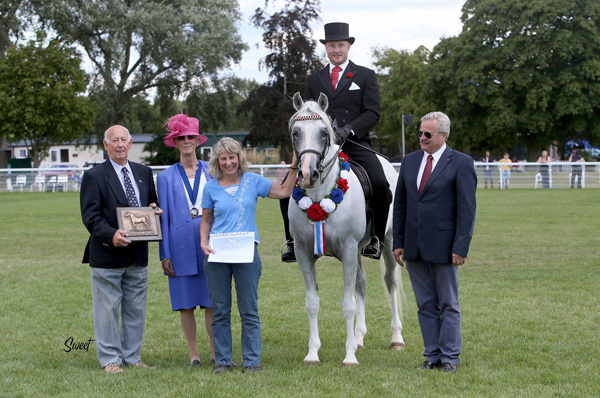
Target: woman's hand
206,249
167,266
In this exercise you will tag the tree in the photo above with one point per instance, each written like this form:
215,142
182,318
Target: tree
138,45
214,104
402,79
292,56
522,71
40,97
15,16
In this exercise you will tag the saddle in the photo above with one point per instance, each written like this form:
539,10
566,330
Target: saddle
365,183
367,189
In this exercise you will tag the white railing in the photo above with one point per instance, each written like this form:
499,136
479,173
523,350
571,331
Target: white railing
522,175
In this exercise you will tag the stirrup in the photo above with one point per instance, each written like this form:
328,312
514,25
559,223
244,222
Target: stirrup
286,243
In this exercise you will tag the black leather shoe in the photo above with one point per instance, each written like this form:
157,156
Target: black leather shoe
251,369
373,249
222,368
430,365
289,256
449,367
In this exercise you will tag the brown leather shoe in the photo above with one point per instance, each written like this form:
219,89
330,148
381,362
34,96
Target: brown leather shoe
113,368
142,365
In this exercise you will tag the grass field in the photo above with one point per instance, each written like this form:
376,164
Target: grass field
529,296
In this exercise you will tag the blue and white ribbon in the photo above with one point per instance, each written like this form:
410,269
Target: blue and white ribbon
319,238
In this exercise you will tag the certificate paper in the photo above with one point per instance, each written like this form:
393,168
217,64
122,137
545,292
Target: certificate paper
235,247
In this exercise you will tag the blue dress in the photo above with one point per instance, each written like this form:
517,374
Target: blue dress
181,241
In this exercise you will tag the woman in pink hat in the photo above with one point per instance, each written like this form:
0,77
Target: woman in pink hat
180,193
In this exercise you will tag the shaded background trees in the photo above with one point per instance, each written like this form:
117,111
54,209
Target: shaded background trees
41,89
292,56
135,46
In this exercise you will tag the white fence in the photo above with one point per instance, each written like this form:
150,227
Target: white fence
521,175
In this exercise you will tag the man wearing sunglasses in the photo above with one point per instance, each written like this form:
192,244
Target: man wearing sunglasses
434,215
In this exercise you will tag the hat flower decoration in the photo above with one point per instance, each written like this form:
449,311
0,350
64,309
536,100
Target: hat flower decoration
181,125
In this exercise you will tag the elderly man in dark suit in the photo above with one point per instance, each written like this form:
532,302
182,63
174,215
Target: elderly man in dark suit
118,266
434,215
355,107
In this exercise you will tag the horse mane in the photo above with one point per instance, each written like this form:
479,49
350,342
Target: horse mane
309,111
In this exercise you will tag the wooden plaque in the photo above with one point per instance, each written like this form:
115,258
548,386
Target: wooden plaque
141,223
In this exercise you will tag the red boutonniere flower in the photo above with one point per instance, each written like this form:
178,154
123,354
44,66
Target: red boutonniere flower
349,75
343,156
316,212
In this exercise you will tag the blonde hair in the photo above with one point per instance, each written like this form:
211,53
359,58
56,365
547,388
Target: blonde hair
231,146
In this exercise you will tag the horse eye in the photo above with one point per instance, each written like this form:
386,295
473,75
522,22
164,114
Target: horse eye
324,134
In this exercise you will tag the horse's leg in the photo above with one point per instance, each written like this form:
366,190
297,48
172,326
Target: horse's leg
391,282
309,272
360,329
350,266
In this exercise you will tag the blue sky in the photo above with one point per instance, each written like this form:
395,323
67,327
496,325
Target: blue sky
397,24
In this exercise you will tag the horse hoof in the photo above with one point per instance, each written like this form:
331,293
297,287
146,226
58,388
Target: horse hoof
397,346
312,362
361,346
350,364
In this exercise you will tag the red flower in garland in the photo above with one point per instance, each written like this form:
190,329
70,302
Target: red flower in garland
342,184
316,212
343,156
349,75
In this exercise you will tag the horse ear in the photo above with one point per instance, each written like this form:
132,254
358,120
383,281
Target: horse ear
297,101
323,102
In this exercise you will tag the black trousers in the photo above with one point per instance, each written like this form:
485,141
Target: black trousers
380,201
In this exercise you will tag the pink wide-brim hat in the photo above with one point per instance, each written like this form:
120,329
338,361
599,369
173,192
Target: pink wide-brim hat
180,125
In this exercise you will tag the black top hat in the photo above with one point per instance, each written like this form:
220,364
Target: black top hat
337,31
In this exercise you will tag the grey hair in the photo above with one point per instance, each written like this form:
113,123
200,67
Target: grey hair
231,146
111,127
443,120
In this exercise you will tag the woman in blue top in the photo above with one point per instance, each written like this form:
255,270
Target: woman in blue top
229,205
180,193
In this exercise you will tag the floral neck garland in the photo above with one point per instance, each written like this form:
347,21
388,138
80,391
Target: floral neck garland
320,211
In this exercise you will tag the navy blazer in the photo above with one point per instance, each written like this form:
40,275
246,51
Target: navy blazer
176,222
355,101
440,221
101,194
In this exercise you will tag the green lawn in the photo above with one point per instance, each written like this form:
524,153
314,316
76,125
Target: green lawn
529,295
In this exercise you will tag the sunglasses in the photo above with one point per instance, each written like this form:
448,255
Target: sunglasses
427,134
184,137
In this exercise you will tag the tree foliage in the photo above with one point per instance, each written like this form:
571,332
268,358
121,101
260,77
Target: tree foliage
402,78
40,89
521,72
288,37
214,104
137,45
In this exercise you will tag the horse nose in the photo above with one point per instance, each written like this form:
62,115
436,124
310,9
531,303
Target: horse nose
314,176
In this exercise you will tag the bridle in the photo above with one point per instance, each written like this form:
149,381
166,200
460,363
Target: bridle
322,167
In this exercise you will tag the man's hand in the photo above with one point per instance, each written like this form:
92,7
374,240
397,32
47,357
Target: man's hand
342,133
458,260
399,256
119,238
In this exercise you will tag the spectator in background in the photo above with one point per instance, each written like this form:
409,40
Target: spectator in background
281,173
545,168
576,170
488,172
505,171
